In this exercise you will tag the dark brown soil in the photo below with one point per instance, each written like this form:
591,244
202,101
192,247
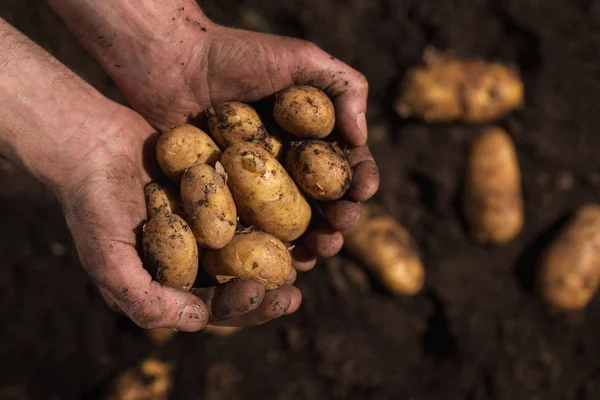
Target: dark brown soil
476,332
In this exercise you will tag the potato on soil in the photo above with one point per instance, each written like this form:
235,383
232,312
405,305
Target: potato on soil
304,111
233,122
568,275
208,205
266,197
492,199
222,331
161,199
183,146
170,249
450,89
383,246
151,380
251,255
161,335
320,169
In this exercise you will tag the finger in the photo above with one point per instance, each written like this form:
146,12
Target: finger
324,241
347,87
365,179
303,259
342,214
291,278
111,303
231,299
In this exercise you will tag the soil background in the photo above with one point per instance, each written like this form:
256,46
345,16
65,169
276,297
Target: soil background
476,332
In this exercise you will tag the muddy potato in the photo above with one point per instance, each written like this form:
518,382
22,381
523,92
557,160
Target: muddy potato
304,111
161,199
170,249
266,197
492,199
568,275
383,246
320,169
183,146
251,255
233,122
208,205
152,379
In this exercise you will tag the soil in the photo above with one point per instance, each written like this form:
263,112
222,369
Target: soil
476,332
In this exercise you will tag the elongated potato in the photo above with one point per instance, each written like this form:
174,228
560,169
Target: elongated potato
161,199
449,89
209,206
492,199
266,197
234,122
152,379
250,255
569,270
183,146
170,248
304,111
320,169
384,247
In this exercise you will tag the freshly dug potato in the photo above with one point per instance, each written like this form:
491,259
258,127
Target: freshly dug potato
251,255
266,197
320,169
151,380
209,206
304,111
383,246
183,146
569,272
233,122
170,248
161,335
222,331
161,199
449,89
492,199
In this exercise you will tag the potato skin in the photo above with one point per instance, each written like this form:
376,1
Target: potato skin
170,248
266,197
319,168
304,111
209,206
161,199
183,146
492,198
568,275
233,122
383,246
152,379
251,255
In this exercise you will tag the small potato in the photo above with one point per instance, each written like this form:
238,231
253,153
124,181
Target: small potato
449,89
161,199
319,168
266,197
304,111
209,206
492,199
152,379
388,251
234,122
251,255
569,272
170,248
183,146
161,336
222,331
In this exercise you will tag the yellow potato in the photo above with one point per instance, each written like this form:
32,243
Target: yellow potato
266,197
304,111
492,198
320,169
161,199
170,249
183,146
161,335
234,122
151,380
569,270
449,89
383,246
222,331
208,205
251,255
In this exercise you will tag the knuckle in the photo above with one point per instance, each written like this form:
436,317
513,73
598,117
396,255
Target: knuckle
362,83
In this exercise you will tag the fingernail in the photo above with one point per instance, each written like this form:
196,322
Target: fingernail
190,320
361,123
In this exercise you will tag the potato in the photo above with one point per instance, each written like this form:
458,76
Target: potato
151,380
161,199
222,331
233,122
209,206
384,247
170,248
568,275
492,199
304,111
161,335
183,146
251,255
266,197
319,168
449,89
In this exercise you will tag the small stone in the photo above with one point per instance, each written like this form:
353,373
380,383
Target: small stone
564,182
58,249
